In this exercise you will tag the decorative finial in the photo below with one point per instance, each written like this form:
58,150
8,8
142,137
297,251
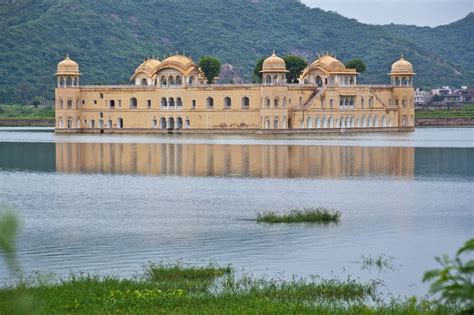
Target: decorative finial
274,52
67,55
401,56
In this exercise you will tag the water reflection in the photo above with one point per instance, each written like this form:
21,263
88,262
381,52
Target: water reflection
279,161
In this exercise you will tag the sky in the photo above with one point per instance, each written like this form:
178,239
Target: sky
414,12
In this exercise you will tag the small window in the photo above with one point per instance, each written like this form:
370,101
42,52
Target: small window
276,102
227,102
268,102
101,95
194,103
95,102
133,102
101,115
210,102
69,103
148,104
331,103
83,102
120,103
245,102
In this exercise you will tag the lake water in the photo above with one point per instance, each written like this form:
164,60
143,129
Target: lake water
110,204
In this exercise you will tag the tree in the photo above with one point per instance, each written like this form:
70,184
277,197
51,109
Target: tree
294,65
257,75
357,64
437,98
211,67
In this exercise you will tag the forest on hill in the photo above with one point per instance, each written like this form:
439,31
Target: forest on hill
110,38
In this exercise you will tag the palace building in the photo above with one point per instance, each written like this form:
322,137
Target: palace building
172,95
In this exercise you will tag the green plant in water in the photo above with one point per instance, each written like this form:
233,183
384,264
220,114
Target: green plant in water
380,262
309,215
8,233
454,281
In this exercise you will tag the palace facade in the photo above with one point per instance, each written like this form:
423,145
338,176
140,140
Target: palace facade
173,96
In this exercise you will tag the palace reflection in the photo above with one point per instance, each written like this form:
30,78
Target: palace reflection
279,161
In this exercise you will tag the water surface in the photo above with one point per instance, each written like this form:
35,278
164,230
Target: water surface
109,204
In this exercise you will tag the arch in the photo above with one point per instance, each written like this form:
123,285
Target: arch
60,122
154,123
61,103
179,102
318,122
268,79
111,104
163,123
188,123
358,122
69,103
133,102
78,122
283,122
120,123
245,102
324,123
267,123
171,102
276,102
227,102
319,81
179,80
267,102
163,81
369,122
275,78
210,102
171,81
69,123
284,102
191,80
309,123
171,123
384,121
376,121
363,122
144,82
330,122
276,123
68,82
179,123
348,122
164,102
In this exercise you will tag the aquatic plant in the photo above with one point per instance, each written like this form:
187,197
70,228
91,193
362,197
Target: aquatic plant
454,281
380,262
309,215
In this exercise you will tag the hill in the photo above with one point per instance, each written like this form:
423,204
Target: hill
110,38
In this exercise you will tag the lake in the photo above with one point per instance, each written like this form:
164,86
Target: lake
109,204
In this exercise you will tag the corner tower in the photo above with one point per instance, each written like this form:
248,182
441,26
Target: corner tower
403,93
68,73
274,70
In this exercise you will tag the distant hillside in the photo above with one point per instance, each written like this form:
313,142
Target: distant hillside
110,38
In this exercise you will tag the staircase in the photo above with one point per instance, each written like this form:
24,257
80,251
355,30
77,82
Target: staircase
379,99
313,98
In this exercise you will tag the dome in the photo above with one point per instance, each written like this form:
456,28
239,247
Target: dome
330,64
68,67
274,64
402,66
184,61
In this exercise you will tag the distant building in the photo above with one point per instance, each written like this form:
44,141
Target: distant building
422,97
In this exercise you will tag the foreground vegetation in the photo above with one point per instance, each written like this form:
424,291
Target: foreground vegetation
467,112
12,112
308,215
176,289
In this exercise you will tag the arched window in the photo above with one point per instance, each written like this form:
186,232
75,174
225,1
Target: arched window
170,81
78,122
276,123
191,80
179,123
376,121
318,122
171,123
267,102
324,124
268,80
69,123
171,102
68,82
227,102
133,102
267,123
348,122
330,122
369,122
309,122
60,122
284,102
210,102
179,81
245,102
144,81
69,103
319,81
276,102
163,81
363,122
163,123
179,102
164,103
120,123
283,122
61,103
384,121
111,104
275,78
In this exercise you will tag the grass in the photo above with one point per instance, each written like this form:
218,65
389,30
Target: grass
307,215
176,289
467,111
12,112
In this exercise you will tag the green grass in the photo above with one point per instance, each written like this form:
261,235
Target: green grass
308,215
467,112
12,112
380,262
176,289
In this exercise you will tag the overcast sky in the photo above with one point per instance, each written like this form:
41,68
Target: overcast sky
418,12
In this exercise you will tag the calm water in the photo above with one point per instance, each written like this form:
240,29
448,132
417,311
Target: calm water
110,204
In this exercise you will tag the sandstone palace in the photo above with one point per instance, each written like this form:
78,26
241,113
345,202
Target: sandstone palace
172,96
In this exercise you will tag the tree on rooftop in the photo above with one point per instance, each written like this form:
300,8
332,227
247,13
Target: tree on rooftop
211,66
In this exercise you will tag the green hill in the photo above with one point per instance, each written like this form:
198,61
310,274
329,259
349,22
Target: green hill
110,38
